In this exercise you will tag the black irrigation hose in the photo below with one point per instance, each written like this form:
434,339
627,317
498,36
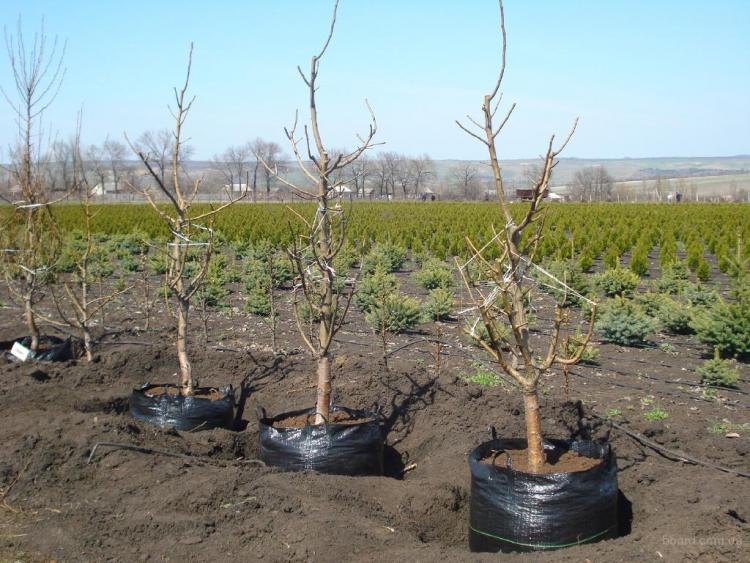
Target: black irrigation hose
670,393
616,384
743,379
702,385
676,394
132,343
677,382
420,341
670,454
171,454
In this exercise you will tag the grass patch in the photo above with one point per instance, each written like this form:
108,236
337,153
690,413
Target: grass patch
484,377
655,414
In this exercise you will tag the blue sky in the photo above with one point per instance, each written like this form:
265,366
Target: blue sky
647,78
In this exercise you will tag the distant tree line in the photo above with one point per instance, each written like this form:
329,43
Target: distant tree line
110,169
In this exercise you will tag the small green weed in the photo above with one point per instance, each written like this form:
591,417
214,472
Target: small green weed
482,376
656,413
667,348
726,426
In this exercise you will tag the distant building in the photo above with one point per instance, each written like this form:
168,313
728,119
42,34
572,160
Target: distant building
104,188
526,194
343,191
428,195
237,188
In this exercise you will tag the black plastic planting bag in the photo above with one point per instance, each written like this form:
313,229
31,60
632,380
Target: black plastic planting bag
515,511
180,412
53,349
338,449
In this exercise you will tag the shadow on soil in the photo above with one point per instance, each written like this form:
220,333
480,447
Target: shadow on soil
624,515
252,381
400,420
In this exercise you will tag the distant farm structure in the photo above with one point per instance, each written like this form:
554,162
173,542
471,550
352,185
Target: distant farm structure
389,177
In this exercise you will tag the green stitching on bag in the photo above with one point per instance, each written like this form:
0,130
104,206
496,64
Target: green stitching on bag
540,546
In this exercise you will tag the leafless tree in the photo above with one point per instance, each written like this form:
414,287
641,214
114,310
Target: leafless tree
362,170
60,173
592,183
115,152
160,146
84,305
403,174
464,177
257,147
693,191
188,232
275,155
343,176
325,232
661,188
29,240
390,169
96,167
422,168
623,191
380,173
270,153
505,302
234,164
531,174
66,161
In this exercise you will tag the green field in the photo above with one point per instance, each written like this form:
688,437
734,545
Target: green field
440,228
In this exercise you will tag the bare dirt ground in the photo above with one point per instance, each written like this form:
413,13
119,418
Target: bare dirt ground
132,506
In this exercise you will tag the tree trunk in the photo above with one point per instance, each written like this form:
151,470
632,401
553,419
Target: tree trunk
186,378
326,320
272,299
323,404
31,322
533,430
87,343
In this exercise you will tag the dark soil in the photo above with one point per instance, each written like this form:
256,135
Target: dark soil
132,506
201,393
565,462
337,417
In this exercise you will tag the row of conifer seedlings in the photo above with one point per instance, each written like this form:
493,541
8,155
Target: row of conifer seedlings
526,494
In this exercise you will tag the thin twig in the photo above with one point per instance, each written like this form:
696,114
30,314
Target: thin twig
671,454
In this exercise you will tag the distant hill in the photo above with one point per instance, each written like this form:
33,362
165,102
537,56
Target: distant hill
622,169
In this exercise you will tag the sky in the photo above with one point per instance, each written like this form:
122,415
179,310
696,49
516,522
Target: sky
646,78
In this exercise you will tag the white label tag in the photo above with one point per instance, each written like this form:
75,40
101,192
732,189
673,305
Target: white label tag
20,351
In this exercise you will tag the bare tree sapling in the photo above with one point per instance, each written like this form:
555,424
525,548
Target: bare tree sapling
325,233
189,235
514,245
30,241
84,304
